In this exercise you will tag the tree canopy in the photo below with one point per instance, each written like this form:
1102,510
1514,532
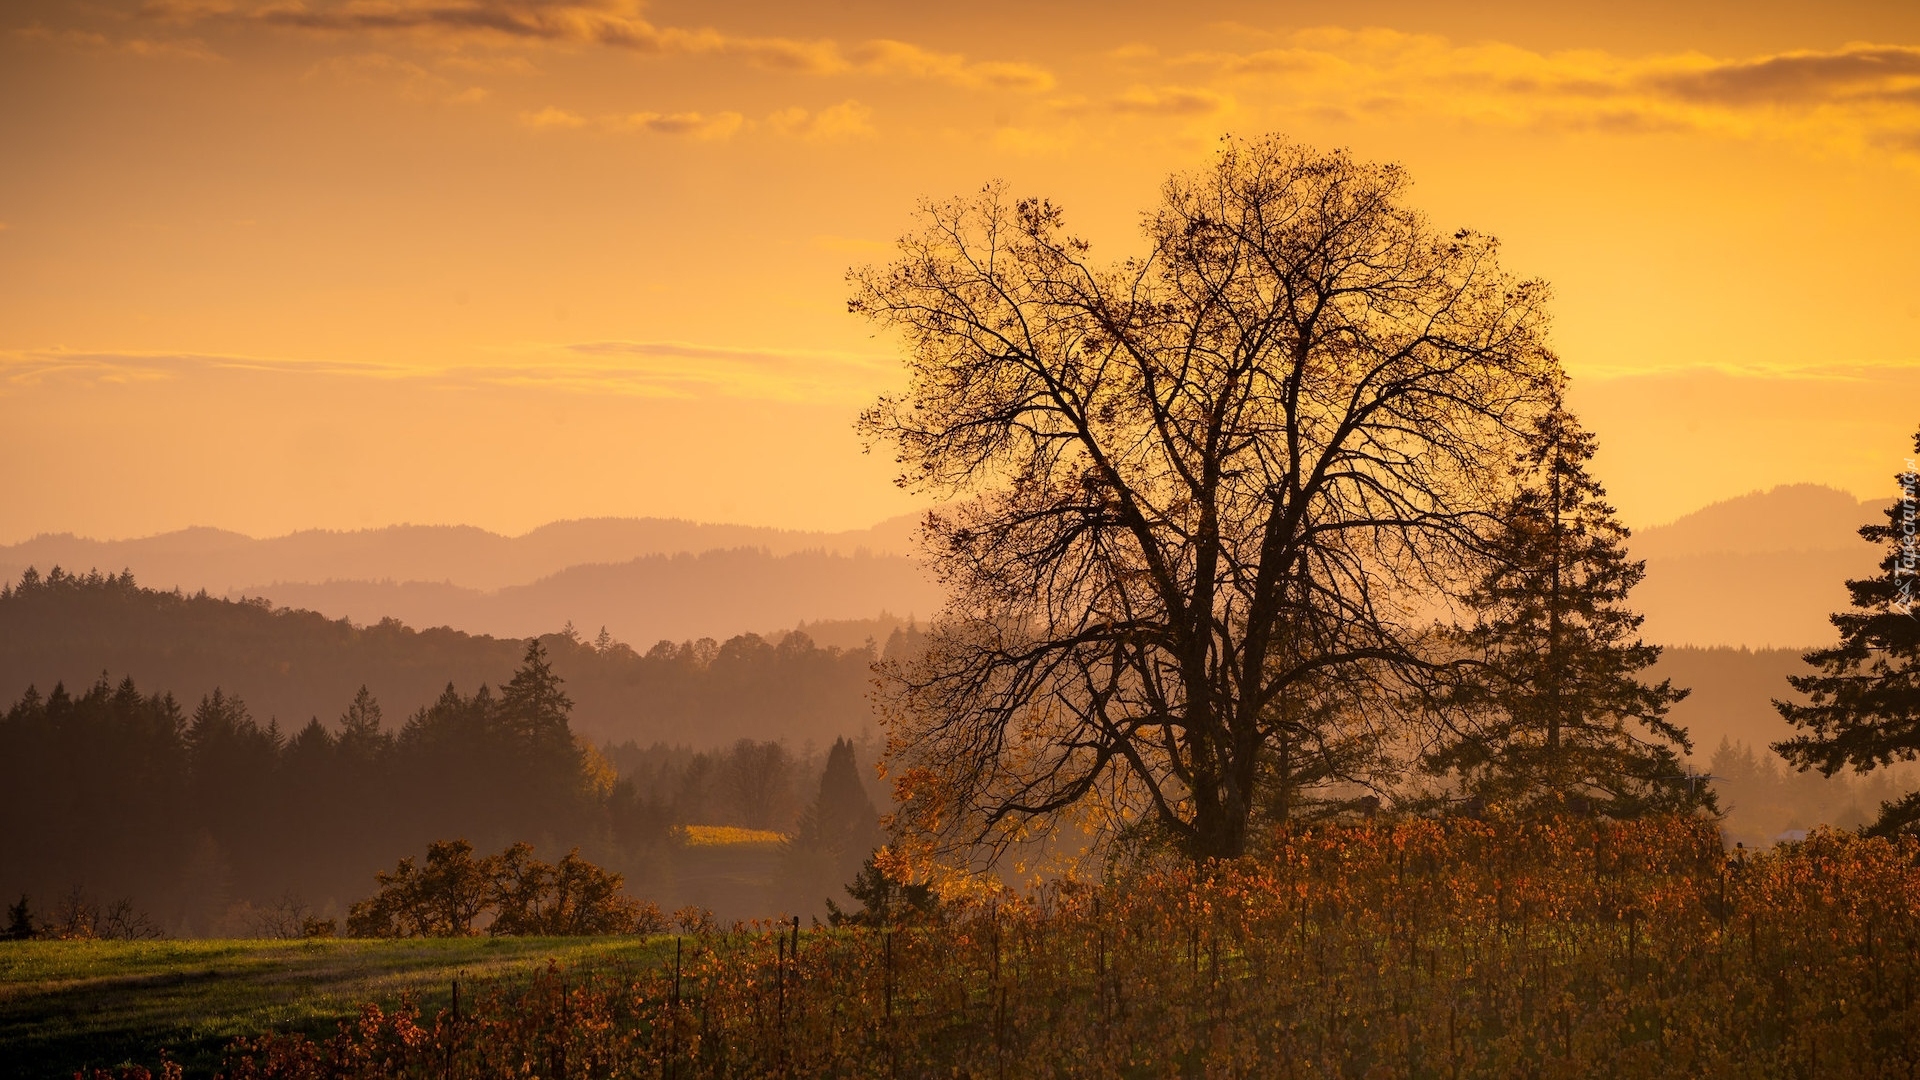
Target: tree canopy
1186,488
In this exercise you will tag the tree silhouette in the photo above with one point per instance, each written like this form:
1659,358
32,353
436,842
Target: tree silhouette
1190,487
837,833
1863,702
1554,716
532,705
20,925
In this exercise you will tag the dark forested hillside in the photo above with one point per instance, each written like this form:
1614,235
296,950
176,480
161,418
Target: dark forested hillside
293,665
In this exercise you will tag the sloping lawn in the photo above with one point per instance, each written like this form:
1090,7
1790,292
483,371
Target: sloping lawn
67,1005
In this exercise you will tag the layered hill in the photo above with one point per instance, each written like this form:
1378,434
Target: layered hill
290,665
1762,570
1759,571
223,562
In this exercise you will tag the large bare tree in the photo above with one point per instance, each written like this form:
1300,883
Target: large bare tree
1196,501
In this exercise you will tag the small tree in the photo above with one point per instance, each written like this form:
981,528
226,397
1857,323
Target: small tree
441,900
1553,714
20,920
525,896
1863,702
884,900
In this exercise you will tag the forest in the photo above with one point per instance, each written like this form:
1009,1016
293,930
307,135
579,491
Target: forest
290,665
212,822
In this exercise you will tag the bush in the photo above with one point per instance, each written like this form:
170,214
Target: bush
513,891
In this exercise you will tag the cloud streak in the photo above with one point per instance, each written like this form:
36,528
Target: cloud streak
1862,95
615,24
654,369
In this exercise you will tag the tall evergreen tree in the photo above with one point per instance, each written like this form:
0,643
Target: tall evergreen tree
532,705
1554,714
1863,702
836,834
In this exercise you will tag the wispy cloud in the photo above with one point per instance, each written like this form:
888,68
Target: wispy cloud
847,120
693,125
94,41
612,23
1862,94
1171,101
670,369
409,79
553,117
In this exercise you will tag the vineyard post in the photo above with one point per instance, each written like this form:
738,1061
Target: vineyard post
673,1015
780,992
893,1051
448,1057
561,1035
1100,962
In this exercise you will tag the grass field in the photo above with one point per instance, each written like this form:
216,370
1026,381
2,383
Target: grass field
67,1005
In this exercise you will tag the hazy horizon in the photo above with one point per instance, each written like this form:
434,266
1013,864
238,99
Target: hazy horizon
585,259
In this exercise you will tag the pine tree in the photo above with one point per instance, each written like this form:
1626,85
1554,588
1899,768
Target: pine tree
19,920
533,706
837,833
1554,715
361,733
1863,704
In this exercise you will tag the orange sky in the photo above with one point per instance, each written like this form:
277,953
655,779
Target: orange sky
272,264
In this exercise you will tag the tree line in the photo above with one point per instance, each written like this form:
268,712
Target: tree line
216,823
58,625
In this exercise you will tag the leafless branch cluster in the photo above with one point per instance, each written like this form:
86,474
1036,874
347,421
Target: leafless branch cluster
1201,502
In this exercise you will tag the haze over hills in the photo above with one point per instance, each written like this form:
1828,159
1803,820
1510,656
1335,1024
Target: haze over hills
678,597
221,561
643,579
1759,571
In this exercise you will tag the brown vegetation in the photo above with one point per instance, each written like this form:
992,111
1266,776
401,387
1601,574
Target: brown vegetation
1413,948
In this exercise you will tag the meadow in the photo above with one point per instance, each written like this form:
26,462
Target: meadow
67,1005
1414,948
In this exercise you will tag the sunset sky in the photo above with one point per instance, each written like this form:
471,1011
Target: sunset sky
277,265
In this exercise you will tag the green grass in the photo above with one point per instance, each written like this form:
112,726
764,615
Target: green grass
67,1005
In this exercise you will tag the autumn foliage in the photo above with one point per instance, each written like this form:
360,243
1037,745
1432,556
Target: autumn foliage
1412,948
512,892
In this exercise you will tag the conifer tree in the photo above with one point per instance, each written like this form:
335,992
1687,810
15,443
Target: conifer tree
532,705
1863,702
19,920
836,834
1554,715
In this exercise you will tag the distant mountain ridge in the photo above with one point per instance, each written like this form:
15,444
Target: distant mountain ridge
641,601
1759,571
221,561
1762,570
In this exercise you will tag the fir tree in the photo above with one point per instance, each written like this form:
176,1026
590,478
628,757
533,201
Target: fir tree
19,920
1554,714
533,706
837,833
1863,704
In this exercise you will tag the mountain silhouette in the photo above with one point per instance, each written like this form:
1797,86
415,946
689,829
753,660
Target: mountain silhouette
223,562
1758,571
